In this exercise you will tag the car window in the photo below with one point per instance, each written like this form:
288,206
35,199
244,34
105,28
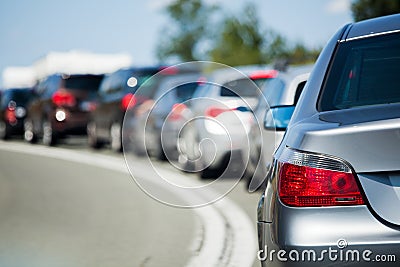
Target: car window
240,88
203,89
83,82
133,80
364,72
185,91
106,84
149,87
49,86
20,96
299,89
273,91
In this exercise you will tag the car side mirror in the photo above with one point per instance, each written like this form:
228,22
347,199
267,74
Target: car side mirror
277,118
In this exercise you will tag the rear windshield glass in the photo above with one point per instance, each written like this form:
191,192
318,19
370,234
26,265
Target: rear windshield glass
240,88
133,80
20,96
83,82
364,72
185,91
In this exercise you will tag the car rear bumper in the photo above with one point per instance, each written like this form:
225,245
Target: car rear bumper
75,122
339,236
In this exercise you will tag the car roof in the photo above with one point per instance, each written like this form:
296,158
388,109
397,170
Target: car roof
372,27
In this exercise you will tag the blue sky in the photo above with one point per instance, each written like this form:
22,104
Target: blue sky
31,28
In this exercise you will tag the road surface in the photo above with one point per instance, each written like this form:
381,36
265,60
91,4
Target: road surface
71,206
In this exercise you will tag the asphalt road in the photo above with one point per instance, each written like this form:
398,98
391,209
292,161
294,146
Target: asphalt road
71,206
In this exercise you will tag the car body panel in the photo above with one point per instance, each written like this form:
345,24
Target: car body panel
283,90
366,139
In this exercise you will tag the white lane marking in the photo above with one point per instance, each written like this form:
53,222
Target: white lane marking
228,237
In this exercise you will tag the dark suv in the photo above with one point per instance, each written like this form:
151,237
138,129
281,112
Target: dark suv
61,106
13,110
115,94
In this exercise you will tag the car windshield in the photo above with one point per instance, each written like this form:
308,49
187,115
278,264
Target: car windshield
364,72
83,82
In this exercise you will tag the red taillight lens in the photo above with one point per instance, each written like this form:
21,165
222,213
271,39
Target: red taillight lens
310,186
268,74
63,98
214,111
10,115
128,101
176,112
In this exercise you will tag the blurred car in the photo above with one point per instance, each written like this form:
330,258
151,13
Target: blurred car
13,103
215,134
278,99
159,97
61,106
114,96
334,183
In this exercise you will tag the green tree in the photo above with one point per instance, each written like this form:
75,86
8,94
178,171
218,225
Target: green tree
240,41
365,9
300,54
189,27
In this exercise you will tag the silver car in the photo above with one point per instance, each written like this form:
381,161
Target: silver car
279,97
217,124
333,191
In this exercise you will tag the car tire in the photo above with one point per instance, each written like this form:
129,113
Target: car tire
49,137
210,173
29,134
4,132
93,140
186,144
116,137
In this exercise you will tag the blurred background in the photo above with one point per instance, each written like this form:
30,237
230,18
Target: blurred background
164,31
74,68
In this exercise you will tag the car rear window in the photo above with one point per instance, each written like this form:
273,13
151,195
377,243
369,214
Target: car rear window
83,82
20,96
139,76
364,72
240,88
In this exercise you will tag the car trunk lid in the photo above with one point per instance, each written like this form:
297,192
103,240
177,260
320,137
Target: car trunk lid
369,140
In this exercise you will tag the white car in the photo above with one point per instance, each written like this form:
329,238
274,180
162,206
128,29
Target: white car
215,135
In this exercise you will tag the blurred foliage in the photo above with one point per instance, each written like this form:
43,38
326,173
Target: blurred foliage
366,9
238,40
187,30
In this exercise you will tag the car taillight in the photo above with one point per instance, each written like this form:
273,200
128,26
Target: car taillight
10,115
311,180
267,74
63,98
176,112
128,101
216,111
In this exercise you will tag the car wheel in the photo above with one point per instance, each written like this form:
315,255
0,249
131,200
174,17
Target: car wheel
4,133
93,140
115,137
29,134
210,173
49,136
189,154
